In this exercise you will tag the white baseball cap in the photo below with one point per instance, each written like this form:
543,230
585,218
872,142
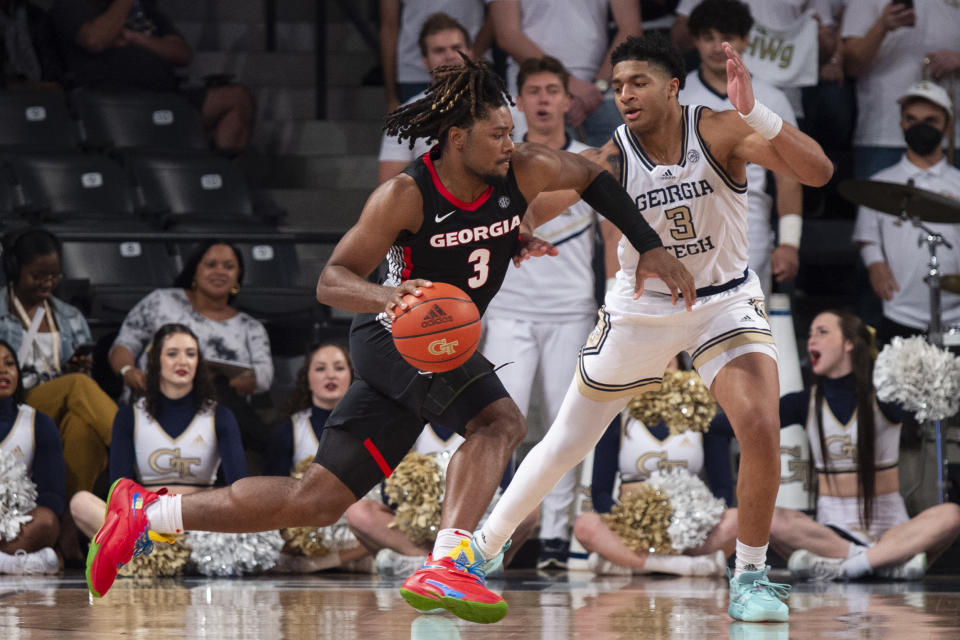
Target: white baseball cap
928,91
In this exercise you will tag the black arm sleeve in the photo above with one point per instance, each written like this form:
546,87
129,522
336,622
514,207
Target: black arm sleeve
608,198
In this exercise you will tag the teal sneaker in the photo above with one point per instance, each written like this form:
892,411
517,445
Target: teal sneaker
753,598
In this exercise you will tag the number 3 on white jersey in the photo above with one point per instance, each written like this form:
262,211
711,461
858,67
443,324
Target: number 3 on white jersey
480,259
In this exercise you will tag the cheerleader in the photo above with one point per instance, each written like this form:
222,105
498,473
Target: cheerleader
861,527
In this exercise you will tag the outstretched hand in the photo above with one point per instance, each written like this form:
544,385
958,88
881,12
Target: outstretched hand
396,305
533,247
658,263
739,85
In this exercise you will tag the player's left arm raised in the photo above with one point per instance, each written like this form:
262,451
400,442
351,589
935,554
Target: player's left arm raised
760,136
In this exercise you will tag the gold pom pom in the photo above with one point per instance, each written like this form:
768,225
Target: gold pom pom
165,560
684,403
641,520
416,487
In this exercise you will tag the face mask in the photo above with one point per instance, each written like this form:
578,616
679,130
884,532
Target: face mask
922,138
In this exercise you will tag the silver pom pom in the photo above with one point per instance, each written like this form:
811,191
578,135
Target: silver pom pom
920,377
18,496
234,554
695,510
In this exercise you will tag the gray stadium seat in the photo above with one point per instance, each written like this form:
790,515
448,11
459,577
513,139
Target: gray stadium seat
73,189
200,192
36,120
138,119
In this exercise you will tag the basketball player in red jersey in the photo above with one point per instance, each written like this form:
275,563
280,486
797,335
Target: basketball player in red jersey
452,216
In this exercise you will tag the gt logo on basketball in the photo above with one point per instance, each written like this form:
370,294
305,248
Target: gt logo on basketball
441,347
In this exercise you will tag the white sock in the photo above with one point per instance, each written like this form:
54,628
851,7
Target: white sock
750,558
489,541
165,515
857,565
677,565
573,434
447,539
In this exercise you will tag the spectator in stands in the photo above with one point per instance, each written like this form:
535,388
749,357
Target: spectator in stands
54,346
711,23
896,263
130,44
574,32
233,343
32,439
778,16
401,37
321,383
176,435
442,39
885,46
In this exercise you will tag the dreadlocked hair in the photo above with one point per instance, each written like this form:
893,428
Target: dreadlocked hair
458,96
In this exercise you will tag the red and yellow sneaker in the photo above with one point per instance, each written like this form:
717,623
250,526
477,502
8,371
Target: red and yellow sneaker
456,582
122,536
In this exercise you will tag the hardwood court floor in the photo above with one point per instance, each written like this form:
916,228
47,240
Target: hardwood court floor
576,605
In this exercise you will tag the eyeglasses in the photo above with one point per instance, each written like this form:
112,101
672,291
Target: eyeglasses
44,278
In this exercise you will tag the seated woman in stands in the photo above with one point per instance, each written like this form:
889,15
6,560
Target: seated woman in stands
862,526
176,435
30,438
54,347
233,342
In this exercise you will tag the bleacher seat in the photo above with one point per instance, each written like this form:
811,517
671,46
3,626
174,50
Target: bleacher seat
138,119
118,273
35,120
71,190
197,192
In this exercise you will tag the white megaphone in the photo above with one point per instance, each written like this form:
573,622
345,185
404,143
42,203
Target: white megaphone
794,449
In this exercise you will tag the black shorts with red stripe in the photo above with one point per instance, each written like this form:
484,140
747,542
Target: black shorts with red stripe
381,416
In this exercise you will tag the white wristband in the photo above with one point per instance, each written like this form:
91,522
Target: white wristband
763,120
789,229
871,253
124,369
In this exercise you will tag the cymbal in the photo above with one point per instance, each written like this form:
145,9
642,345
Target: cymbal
950,283
889,197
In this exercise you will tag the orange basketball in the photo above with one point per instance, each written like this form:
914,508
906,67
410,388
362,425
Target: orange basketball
440,330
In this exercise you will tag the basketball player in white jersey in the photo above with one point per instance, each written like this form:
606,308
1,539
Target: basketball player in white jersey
685,167
545,309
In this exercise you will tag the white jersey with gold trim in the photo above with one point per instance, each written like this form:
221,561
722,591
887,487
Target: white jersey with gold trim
305,442
641,453
192,458
698,210
21,441
840,439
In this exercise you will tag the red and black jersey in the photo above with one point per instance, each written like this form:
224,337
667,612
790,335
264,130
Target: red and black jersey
466,244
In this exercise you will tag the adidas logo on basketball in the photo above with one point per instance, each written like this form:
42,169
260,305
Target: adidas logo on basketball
436,316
